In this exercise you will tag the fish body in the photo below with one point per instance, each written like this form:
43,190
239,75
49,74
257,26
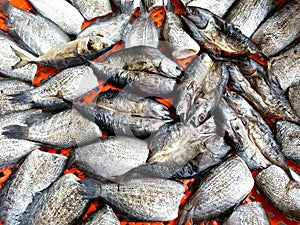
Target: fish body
147,199
37,32
92,8
272,182
288,137
111,156
34,175
102,216
64,129
62,13
252,213
62,203
8,58
214,195
248,15
293,93
286,23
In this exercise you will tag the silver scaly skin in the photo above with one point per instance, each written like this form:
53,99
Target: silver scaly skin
103,216
293,94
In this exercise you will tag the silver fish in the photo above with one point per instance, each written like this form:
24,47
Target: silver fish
37,32
252,213
72,83
62,203
214,195
139,198
103,216
271,183
35,174
111,157
248,15
92,8
286,23
62,13
288,137
293,93
65,129
8,58
70,54
286,67
215,6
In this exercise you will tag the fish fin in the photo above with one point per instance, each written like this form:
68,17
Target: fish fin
15,132
23,97
184,216
92,188
143,7
71,160
24,59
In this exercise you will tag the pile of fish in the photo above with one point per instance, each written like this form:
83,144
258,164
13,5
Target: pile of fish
232,109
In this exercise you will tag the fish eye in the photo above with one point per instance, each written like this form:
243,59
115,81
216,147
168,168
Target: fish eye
90,44
201,117
233,94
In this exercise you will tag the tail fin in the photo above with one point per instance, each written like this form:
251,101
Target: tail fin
71,160
15,132
24,60
143,7
184,217
23,98
92,189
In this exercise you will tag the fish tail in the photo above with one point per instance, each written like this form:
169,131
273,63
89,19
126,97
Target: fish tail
23,97
92,188
71,160
170,6
24,60
15,132
184,216
143,7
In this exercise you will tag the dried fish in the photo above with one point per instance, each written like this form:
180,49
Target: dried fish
102,216
294,92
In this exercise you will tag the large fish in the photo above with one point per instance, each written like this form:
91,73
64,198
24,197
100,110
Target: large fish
272,182
248,15
62,203
92,8
103,216
65,129
279,30
60,12
222,189
294,93
148,199
110,157
35,174
37,32
8,58
288,137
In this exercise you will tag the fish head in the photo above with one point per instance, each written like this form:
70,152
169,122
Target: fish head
198,16
96,43
200,111
235,101
192,28
170,68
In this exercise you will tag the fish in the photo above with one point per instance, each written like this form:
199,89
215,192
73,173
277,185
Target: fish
103,216
286,23
13,150
252,213
35,174
62,13
216,35
271,183
248,15
30,28
8,58
63,130
260,132
178,41
123,101
125,6
139,198
92,8
223,188
142,31
72,83
73,53
288,137
62,203
293,93
286,66
214,6
112,156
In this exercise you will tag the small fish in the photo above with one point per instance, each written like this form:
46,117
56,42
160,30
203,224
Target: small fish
272,182
35,174
217,7
293,93
8,58
73,53
31,28
223,188
252,213
64,129
72,83
286,23
62,203
146,199
248,15
216,35
103,216
60,12
179,42
110,157
288,137
92,8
